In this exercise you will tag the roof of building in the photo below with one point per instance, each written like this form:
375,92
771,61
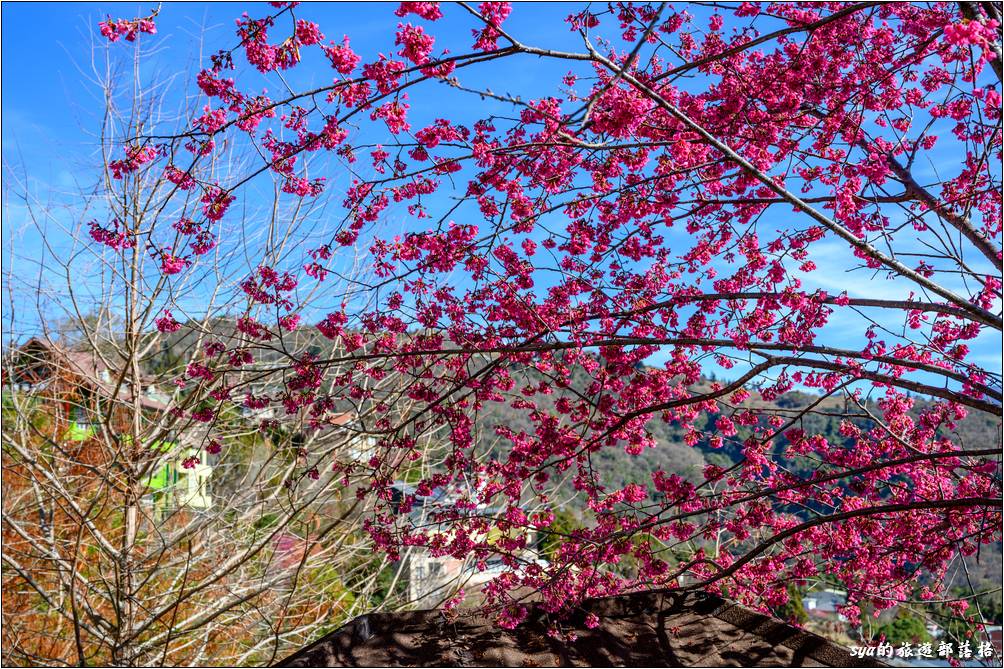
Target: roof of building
649,629
339,419
87,366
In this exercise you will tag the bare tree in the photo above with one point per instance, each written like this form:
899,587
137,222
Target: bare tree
138,530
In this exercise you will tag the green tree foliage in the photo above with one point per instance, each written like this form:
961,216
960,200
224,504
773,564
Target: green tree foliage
906,627
793,610
563,524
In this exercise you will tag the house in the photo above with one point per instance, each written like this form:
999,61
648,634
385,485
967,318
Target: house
359,446
181,481
341,430
432,578
642,629
993,634
824,604
81,390
79,386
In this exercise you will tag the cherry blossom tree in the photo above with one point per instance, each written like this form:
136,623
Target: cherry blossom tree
679,200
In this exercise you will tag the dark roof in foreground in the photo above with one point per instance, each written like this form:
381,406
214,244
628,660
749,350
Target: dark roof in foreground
650,629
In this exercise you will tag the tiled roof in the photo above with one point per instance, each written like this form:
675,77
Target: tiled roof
88,367
652,629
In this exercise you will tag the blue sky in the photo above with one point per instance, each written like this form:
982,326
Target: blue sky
51,107
46,95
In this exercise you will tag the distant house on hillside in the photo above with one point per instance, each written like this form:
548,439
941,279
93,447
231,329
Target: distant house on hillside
341,430
182,481
79,386
286,553
996,638
824,604
81,389
359,446
433,579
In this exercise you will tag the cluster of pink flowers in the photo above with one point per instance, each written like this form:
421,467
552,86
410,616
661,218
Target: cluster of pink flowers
289,322
136,157
441,131
268,57
494,13
127,28
203,240
332,325
182,180
269,286
253,329
166,323
971,33
427,10
415,43
197,370
211,120
215,202
308,33
204,415
315,269
172,264
304,187
342,57
394,114
203,243
385,73
116,237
